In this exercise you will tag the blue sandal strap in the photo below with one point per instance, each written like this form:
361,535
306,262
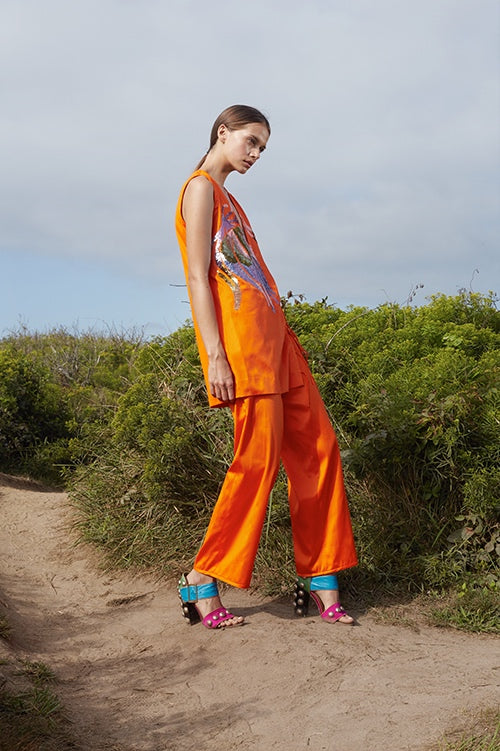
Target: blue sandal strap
195,592
328,581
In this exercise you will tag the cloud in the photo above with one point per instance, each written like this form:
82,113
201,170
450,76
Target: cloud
382,166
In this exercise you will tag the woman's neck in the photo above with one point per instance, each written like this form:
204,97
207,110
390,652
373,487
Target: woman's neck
217,170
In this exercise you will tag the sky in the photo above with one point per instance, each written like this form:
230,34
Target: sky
382,172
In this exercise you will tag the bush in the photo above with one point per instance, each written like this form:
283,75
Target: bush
57,392
33,411
412,396
150,489
412,393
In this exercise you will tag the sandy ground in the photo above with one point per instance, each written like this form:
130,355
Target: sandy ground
134,676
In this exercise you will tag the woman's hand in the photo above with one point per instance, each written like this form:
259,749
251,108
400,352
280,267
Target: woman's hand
220,378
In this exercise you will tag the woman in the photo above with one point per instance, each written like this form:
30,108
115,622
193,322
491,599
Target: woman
254,364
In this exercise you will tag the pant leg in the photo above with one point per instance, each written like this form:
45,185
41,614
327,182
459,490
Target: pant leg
230,545
321,524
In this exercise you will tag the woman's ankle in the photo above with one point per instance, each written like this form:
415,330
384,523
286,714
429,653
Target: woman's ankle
195,577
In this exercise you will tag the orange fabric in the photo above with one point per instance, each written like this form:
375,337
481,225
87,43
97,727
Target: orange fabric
251,322
295,428
278,416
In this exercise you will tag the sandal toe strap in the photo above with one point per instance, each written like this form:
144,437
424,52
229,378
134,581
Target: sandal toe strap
217,617
334,612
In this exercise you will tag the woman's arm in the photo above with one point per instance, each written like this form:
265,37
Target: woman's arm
197,209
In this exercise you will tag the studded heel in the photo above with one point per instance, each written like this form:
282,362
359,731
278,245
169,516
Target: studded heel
309,588
189,595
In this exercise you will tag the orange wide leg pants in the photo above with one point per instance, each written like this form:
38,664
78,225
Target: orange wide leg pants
294,428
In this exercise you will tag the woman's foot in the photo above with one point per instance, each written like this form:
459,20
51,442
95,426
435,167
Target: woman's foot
330,599
208,605
323,590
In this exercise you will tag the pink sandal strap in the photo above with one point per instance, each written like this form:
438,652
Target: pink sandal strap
334,612
217,617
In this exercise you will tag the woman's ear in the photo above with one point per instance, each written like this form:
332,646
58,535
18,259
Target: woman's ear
222,133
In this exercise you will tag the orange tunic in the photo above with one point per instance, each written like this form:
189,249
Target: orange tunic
263,352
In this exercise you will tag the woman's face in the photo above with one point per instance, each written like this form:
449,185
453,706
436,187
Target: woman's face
243,147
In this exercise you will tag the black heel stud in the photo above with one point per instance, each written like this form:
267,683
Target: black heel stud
301,600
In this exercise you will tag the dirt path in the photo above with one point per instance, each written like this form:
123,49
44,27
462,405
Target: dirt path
134,677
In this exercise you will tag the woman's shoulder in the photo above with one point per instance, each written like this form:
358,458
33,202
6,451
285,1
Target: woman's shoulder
199,181
197,193
198,185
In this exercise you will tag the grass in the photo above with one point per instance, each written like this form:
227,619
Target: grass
31,715
32,719
412,396
474,610
5,629
482,735
397,615
39,673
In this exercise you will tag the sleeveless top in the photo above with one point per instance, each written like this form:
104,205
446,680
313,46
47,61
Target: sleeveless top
263,352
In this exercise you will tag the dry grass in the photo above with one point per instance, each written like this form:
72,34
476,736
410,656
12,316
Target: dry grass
479,733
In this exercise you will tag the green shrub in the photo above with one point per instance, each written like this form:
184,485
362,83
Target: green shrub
150,489
57,392
33,410
412,393
412,396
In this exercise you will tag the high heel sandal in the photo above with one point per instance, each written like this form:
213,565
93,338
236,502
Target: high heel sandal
305,590
190,594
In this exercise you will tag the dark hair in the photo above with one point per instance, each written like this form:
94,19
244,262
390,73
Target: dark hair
235,118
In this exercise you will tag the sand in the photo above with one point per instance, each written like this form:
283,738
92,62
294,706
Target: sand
134,676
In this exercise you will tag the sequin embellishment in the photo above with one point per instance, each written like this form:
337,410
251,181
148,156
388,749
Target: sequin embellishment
235,259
